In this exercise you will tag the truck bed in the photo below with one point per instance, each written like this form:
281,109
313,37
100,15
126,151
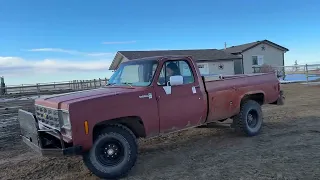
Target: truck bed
224,93
215,77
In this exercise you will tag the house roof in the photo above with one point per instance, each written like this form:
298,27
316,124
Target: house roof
243,47
197,54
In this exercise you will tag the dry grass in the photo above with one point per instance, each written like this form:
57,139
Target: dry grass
287,148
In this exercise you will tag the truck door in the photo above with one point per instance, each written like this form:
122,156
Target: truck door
179,106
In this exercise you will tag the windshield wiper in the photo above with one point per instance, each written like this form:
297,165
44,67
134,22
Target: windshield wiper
113,84
110,84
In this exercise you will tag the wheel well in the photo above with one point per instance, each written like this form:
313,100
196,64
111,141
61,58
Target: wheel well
258,97
134,123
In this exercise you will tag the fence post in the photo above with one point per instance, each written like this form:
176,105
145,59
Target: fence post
94,83
307,73
38,89
2,86
100,82
283,72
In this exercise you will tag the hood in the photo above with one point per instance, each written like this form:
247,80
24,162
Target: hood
61,100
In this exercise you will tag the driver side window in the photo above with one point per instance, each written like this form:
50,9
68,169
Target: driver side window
173,68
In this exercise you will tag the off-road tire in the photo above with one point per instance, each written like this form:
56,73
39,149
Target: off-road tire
116,133
240,121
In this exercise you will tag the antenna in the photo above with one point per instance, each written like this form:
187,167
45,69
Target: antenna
225,45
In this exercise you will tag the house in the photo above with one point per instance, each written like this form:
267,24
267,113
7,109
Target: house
257,53
233,60
209,61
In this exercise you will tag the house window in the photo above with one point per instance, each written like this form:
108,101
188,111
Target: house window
203,68
257,60
254,60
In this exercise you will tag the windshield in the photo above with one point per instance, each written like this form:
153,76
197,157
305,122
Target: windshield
135,73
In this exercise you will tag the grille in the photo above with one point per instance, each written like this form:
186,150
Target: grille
48,116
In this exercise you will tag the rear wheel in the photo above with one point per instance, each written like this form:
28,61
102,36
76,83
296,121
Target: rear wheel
249,120
113,153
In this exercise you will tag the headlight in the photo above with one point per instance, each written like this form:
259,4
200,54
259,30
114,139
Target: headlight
65,120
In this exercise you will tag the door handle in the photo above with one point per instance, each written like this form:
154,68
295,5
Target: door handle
197,86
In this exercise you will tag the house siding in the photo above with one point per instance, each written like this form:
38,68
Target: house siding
213,67
271,56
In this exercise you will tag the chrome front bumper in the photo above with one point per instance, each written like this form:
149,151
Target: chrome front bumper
35,139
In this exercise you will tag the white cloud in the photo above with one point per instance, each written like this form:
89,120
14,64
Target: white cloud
100,54
16,66
10,61
119,42
73,52
54,50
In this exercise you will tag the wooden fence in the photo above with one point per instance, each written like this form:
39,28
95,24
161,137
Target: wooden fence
52,88
301,73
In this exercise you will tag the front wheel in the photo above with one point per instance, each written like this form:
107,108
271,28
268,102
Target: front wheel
113,153
249,120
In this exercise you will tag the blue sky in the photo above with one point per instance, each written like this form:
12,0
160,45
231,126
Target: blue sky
60,40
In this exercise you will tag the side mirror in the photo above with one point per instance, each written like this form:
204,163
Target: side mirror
176,80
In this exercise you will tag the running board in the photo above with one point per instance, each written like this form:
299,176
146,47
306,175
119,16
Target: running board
217,125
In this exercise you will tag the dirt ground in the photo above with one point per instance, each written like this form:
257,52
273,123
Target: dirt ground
287,148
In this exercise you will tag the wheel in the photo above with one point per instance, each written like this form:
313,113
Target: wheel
249,120
113,153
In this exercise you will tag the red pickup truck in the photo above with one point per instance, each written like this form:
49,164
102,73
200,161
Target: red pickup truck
144,98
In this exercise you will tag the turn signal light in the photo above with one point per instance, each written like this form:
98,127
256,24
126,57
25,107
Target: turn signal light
86,127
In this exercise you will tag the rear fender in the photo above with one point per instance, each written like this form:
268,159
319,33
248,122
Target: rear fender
248,95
